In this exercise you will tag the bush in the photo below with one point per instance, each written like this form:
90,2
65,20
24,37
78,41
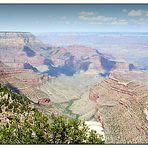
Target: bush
36,129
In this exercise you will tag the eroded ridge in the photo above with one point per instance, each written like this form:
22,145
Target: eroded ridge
122,109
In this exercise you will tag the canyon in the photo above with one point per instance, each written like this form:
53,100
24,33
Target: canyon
78,81
122,107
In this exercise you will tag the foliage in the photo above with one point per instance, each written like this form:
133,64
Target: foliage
29,126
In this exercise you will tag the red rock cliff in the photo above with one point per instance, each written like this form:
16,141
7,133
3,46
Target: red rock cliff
121,104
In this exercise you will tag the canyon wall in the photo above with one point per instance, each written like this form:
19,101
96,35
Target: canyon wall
122,104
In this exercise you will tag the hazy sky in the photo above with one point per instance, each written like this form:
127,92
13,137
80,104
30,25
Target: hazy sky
74,18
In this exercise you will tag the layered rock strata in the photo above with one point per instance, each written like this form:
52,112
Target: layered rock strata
122,108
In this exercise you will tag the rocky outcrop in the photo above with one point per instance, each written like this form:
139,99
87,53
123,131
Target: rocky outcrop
17,40
44,101
122,106
23,81
17,48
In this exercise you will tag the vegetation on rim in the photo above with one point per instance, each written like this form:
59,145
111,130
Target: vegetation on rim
20,123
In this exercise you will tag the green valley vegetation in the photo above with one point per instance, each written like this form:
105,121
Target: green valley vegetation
21,123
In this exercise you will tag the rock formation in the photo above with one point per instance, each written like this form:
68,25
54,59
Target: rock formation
18,79
122,107
44,101
18,48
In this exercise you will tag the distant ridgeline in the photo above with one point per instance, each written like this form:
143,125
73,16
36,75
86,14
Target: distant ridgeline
26,51
21,123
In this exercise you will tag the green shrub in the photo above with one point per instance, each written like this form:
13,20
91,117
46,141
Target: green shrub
36,129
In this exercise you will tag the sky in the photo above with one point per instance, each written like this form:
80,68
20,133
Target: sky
74,18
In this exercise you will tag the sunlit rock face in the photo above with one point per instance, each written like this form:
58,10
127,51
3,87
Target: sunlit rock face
17,48
97,126
122,107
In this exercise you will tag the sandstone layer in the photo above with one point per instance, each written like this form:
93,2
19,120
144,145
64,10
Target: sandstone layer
122,104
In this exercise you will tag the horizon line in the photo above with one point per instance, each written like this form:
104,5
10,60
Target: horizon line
72,32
